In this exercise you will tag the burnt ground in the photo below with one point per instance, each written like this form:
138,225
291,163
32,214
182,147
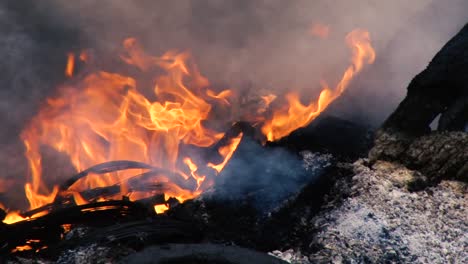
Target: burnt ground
355,212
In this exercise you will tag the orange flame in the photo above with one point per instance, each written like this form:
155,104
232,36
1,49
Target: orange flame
226,152
13,217
297,115
70,65
22,248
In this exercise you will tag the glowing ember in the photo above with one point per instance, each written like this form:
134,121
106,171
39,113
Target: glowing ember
22,248
28,246
161,208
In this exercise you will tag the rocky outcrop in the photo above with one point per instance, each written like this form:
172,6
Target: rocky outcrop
441,89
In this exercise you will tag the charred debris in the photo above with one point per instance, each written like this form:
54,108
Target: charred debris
243,217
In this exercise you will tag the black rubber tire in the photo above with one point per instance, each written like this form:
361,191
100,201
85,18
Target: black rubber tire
200,253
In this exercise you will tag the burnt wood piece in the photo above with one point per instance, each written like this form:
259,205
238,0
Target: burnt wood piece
139,183
441,89
343,139
62,201
105,168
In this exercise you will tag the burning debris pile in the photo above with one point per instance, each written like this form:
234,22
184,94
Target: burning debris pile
146,137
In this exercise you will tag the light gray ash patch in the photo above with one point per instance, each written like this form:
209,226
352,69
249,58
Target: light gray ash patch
77,232
94,254
384,222
316,162
290,256
89,254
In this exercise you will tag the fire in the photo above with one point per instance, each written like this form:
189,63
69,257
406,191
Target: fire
105,116
297,115
13,217
161,208
226,152
28,246
22,248
70,65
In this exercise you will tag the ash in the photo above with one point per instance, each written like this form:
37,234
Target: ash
315,162
382,221
290,256
93,254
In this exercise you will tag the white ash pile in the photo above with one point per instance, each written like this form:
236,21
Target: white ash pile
382,221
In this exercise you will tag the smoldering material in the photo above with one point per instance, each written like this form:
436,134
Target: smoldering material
267,177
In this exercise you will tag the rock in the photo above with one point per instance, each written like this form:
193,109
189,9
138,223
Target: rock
440,89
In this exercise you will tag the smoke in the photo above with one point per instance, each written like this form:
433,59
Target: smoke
254,47
33,44
265,46
376,92
267,177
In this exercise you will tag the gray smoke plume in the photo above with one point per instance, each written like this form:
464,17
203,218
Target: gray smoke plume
255,46
264,46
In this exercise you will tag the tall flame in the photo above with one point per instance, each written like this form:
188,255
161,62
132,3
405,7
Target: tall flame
296,115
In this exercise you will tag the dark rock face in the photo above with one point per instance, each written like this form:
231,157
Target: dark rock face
441,89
